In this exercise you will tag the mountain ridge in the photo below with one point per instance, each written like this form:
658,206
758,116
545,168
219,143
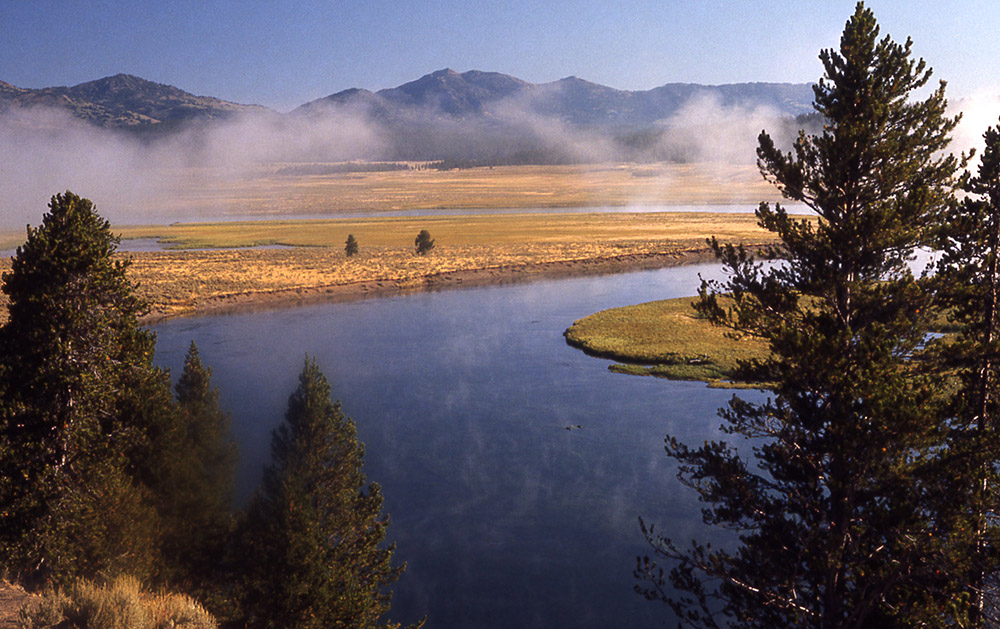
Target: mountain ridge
475,94
127,101
124,100
468,118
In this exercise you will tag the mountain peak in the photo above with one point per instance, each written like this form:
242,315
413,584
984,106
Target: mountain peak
125,79
125,100
123,82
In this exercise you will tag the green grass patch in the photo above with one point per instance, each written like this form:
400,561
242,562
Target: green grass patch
666,339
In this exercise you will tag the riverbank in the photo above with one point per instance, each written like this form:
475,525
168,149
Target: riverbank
222,267
666,339
469,251
256,299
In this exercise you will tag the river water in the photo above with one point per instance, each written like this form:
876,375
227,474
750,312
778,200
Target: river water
513,466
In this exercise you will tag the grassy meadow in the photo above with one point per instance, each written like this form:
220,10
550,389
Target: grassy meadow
489,230
181,281
209,262
666,339
269,193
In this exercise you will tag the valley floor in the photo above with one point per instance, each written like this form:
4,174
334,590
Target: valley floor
469,250
223,268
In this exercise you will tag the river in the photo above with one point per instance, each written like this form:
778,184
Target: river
514,467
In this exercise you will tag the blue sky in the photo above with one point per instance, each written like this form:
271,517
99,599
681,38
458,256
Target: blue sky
284,53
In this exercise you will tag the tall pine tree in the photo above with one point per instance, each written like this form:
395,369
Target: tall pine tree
834,527
198,482
313,534
72,353
969,276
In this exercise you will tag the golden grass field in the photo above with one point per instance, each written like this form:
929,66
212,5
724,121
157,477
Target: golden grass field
183,281
266,193
178,282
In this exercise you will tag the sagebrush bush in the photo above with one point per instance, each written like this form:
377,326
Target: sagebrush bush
46,613
120,604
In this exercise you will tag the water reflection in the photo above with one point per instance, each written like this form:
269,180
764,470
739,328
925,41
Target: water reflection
505,517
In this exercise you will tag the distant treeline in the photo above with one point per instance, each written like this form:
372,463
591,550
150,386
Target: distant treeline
521,158
337,169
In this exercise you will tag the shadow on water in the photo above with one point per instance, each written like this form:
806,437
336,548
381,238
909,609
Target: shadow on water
505,517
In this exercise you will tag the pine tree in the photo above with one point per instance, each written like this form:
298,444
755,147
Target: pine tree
198,485
834,526
72,351
313,533
969,276
423,242
351,246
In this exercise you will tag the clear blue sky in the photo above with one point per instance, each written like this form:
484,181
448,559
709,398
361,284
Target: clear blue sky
284,53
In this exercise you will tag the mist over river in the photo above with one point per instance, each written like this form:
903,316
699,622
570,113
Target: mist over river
513,466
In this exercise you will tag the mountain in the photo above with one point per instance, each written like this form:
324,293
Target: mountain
485,96
125,101
471,117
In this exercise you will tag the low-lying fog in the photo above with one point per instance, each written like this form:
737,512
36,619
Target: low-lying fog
136,177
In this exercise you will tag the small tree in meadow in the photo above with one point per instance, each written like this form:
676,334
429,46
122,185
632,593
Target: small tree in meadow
351,246
423,242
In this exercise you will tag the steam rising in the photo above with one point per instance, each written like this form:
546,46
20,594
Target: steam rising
135,178
979,112
151,176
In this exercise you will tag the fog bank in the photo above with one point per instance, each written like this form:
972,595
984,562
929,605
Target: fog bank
153,176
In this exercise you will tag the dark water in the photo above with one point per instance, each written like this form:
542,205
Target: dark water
505,517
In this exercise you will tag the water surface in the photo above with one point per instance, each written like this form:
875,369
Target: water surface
463,398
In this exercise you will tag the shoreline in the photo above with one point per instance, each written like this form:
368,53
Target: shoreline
251,301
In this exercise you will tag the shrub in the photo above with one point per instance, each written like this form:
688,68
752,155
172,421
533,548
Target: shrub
50,611
120,604
423,242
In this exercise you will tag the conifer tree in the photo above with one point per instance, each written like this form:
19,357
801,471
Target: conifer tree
351,246
835,528
313,533
198,488
969,276
72,351
423,242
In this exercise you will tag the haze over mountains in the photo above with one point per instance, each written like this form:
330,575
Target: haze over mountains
125,101
487,95
132,145
137,147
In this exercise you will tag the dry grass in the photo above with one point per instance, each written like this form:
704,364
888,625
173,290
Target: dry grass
181,282
121,604
463,231
267,193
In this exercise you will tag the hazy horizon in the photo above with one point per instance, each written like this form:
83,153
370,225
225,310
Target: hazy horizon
283,54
